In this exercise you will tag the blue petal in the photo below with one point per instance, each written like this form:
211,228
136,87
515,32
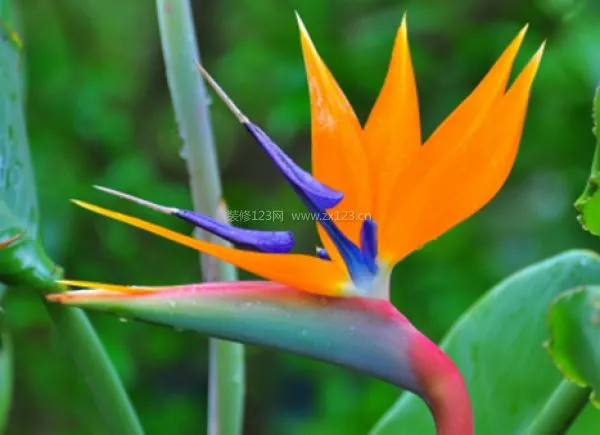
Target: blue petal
305,184
322,254
264,241
368,243
318,198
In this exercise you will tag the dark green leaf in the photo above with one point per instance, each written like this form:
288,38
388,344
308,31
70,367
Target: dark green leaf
6,378
24,260
588,204
498,347
575,332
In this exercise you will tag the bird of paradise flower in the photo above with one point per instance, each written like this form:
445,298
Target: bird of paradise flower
334,306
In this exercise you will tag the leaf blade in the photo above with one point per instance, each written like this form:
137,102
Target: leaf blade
588,203
575,330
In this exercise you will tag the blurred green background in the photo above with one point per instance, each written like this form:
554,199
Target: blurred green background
99,113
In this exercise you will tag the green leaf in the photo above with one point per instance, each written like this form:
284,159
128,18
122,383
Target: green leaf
588,204
6,378
575,331
498,347
17,188
24,261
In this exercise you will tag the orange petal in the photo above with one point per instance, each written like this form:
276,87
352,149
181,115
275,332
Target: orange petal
466,118
117,288
457,128
338,157
300,271
467,177
392,135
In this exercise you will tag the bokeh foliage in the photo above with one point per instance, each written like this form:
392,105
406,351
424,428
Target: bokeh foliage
99,113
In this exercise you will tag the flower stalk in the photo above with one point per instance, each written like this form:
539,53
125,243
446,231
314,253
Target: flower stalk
560,411
443,388
82,342
190,101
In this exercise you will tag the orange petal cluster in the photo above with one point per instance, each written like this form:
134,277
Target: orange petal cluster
415,191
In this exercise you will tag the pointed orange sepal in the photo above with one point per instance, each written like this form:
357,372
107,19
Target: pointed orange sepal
467,117
392,135
458,140
108,287
300,271
338,157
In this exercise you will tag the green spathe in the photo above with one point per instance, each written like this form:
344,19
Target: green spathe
368,335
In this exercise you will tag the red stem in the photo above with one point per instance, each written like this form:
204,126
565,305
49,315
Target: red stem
443,388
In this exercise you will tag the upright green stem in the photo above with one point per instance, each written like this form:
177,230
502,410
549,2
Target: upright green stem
180,51
561,410
81,341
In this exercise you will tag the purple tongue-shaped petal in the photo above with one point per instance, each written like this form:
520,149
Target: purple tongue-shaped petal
305,184
316,196
263,241
368,243
361,262
308,187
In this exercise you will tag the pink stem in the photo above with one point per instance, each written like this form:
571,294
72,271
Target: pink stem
443,388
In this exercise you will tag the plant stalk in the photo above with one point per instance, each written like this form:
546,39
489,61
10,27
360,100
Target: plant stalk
190,101
82,342
560,411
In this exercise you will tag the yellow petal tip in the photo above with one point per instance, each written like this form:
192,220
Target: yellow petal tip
540,51
301,25
519,38
71,283
403,30
103,286
79,203
537,58
523,31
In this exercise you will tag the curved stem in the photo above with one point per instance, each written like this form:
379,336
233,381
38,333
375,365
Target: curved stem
82,342
190,101
442,388
560,411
